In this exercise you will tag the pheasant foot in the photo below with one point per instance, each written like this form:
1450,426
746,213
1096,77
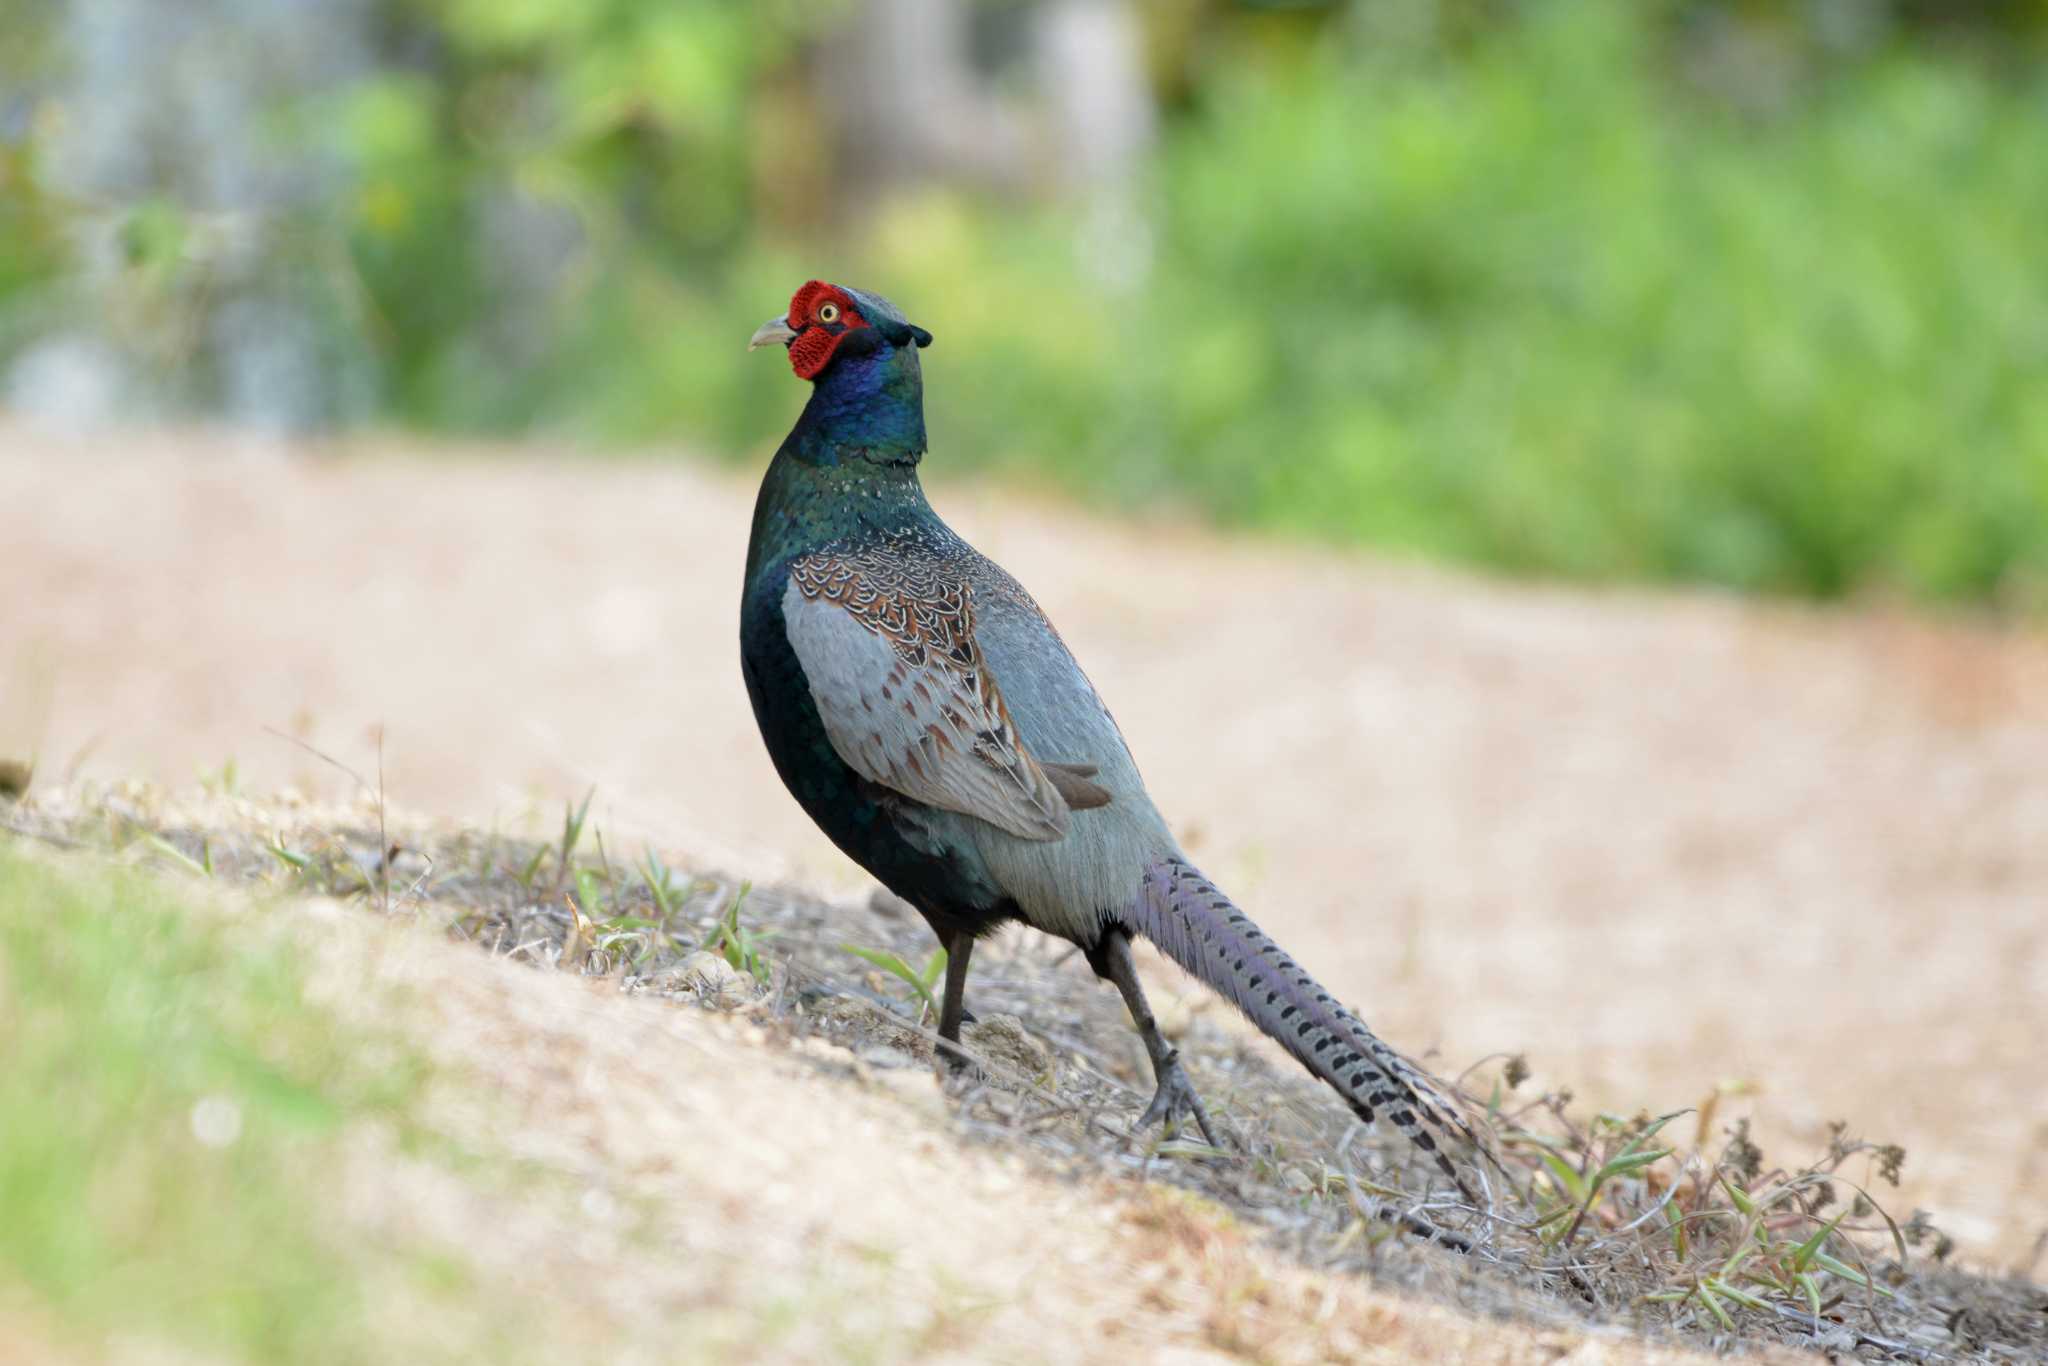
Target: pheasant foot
1176,1100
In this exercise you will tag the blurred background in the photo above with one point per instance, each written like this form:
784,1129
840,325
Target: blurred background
1747,292
372,372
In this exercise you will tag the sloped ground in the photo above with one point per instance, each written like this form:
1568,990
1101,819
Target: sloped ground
663,1156
1669,848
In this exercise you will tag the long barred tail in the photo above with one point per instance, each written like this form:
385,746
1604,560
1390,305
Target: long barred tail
1198,927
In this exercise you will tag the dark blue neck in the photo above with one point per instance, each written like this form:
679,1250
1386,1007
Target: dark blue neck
868,405
848,469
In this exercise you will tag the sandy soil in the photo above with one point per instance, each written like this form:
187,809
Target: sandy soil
642,1181
1663,844
758,1205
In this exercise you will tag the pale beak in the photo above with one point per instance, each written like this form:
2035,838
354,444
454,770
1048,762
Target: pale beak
774,330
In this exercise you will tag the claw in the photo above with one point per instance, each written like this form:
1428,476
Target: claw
1175,1100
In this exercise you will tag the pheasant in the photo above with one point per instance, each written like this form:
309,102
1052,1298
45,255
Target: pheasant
921,708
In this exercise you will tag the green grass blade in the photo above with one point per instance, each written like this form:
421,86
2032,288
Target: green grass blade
176,855
893,964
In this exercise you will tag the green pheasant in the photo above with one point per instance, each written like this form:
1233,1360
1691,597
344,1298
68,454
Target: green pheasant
928,717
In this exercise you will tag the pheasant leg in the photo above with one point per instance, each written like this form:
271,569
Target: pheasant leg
952,1010
1176,1097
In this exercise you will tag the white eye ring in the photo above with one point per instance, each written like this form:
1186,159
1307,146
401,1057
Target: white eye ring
828,313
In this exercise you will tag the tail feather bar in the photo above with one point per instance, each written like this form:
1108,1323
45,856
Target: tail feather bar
1201,929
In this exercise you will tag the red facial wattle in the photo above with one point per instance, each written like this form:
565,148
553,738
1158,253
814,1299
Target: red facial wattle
821,315
811,352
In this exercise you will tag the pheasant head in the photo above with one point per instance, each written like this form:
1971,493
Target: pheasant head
826,322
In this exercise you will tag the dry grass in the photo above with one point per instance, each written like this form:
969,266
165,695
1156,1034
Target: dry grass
1673,1228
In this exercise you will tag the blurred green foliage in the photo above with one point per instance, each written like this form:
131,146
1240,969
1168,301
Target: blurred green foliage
1547,287
130,1019
615,131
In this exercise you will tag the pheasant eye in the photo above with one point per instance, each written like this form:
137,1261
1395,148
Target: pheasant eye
828,313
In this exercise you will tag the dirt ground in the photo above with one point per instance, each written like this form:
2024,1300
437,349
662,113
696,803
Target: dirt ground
1660,843
655,1169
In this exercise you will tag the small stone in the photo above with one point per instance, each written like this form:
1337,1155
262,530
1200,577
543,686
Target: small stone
15,776
718,982
1003,1040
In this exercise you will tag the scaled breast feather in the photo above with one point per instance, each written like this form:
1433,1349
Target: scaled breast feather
886,639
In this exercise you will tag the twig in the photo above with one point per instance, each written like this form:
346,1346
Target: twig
1817,1326
383,839
327,758
47,837
1008,1074
1088,1054
376,794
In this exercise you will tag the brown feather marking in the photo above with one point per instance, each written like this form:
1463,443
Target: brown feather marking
910,596
1071,782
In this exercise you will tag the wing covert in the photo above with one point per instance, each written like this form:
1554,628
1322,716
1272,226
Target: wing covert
886,639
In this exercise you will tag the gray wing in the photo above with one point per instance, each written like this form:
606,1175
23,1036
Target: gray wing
908,700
